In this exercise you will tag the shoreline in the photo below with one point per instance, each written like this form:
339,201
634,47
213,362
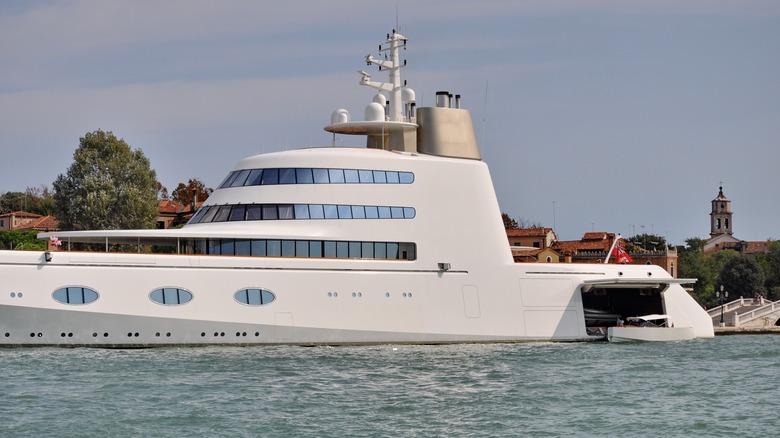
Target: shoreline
727,331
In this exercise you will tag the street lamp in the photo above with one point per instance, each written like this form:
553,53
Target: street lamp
722,295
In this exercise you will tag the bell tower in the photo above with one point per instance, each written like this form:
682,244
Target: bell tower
720,218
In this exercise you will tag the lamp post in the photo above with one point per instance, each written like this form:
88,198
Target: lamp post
722,295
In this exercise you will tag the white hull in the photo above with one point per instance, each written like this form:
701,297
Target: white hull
504,304
649,334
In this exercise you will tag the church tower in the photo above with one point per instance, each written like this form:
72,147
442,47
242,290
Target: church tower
720,218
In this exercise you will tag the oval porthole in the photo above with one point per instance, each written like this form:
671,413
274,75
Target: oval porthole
75,295
254,297
170,296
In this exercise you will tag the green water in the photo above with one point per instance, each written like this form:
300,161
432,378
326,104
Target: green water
725,386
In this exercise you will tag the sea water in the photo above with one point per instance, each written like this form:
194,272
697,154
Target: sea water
727,386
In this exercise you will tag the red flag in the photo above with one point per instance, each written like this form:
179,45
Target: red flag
621,255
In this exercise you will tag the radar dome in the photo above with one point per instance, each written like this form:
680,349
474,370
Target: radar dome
381,99
407,95
375,112
339,116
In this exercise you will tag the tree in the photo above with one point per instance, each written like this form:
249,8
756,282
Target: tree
183,194
772,270
648,241
509,223
741,276
108,186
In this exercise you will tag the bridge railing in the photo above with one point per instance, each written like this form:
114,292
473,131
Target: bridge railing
733,305
756,313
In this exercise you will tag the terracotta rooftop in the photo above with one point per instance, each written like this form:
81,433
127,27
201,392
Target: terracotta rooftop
43,223
21,214
528,232
168,206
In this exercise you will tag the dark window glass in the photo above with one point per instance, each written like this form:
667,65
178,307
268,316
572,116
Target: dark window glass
392,177
288,248
406,177
366,176
170,296
301,248
336,176
380,177
209,216
231,176
240,178
198,216
380,250
408,213
315,248
222,214
331,212
286,211
342,250
269,212
243,248
330,249
345,212
227,247
215,246
75,295
254,212
270,177
358,212
372,212
274,248
238,213
254,178
384,213
321,176
254,297
286,176
304,176
392,250
351,176
301,211
316,211
258,248
368,250
354,250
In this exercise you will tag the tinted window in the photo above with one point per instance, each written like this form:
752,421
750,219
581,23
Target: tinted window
75,295
321,176
304,176
286,176
240,178
254,178
170,296
270,177
254,297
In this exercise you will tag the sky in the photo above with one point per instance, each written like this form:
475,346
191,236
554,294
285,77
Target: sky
616,116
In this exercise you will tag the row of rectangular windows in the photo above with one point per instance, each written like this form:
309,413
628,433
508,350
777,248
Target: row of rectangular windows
287,175
256,212
336,249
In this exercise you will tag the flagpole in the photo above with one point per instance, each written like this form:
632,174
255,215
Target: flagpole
612,248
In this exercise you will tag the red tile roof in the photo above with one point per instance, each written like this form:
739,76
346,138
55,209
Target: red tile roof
43,223
528,232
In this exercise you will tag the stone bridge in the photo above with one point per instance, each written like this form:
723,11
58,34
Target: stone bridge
747,313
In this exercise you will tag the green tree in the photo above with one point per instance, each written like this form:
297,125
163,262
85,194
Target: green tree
772,270
21,240
194,189
647,241
108,186
741,276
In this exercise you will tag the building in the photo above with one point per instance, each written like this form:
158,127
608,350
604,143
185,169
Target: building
722,230
26,221
172,214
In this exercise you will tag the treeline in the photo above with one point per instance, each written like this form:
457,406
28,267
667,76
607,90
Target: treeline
741,275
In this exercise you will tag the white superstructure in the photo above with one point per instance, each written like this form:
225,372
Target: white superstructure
401,241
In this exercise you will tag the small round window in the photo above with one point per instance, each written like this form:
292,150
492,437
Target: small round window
254,297
170,296
75,295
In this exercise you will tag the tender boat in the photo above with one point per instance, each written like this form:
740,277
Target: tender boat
399,241
649,328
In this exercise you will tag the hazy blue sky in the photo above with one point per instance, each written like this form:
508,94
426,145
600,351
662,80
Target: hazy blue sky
623,115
